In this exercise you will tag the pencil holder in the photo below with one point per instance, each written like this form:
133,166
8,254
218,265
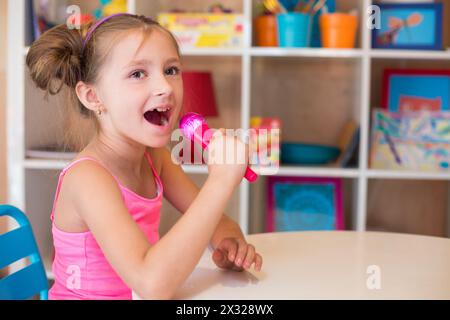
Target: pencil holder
293,29
338,30
266,31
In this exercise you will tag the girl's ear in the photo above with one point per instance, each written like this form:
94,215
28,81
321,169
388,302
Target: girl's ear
88,96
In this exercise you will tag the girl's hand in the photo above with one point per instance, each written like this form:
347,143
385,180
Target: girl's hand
236,254
227,157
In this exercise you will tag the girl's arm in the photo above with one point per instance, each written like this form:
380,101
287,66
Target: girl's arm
180,191
153,272
228,240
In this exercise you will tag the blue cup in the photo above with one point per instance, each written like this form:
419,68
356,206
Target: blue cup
293,29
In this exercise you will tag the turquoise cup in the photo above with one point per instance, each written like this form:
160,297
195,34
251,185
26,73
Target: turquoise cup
293,29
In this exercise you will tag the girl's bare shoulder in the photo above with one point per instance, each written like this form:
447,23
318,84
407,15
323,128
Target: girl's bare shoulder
79,190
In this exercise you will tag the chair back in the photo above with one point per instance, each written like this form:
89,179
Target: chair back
15,245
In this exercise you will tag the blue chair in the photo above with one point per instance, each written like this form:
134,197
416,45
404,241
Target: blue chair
15,245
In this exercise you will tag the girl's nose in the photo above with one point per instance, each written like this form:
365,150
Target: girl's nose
161,87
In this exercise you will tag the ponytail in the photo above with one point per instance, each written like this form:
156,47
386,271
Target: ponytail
55,64
55,59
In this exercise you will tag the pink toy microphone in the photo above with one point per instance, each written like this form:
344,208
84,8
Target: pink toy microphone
194,128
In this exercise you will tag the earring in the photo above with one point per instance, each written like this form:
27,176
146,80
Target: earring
99,112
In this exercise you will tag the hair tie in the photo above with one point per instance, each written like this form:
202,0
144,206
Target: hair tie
98,23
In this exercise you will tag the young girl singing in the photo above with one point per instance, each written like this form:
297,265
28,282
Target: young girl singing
123,73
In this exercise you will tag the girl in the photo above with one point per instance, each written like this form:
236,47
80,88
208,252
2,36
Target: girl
124,74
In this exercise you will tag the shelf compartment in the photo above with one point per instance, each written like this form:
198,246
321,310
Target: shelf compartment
226,74
408,206
86,6
259,204
341,6
313,98
376,96
445,35
379,65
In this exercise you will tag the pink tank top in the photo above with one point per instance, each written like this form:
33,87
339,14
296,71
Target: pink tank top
80,267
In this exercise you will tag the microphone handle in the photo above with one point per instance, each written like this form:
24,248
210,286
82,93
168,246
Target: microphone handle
201,137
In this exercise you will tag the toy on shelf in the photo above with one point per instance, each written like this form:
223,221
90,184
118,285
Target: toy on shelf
303,203
308,154
338,30
265,26
348,143
109,7
199,94
219,8
411,140
274,6
44,15
416,90
409,26
265,143
295,23
217,28
198,97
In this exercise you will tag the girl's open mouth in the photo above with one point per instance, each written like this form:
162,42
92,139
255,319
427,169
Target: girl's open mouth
158,117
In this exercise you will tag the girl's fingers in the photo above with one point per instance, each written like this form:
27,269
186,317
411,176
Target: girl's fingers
219,257
232,251
249,258
242,252
258,262
229,246
237,254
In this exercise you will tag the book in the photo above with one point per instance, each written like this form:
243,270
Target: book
348,143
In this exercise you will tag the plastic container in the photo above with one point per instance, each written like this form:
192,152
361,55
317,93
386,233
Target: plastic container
338,30
266,31
307,154
293,29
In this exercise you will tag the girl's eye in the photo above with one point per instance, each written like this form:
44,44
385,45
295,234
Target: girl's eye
172,71
139,74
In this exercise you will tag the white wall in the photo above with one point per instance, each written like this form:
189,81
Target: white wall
3,11
3,5
2,101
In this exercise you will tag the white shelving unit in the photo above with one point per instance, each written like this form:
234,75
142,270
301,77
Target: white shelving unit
32,181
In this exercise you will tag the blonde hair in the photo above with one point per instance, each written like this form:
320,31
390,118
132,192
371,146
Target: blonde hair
59,59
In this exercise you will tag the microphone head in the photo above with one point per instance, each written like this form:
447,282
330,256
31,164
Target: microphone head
190,122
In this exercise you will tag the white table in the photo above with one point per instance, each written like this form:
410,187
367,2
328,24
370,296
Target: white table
331,265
